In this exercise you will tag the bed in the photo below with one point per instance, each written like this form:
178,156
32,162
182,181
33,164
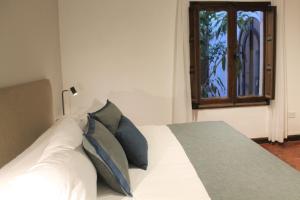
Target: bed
203,160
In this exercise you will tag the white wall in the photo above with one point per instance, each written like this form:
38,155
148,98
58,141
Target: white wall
251,121
29,44
121,50
293,62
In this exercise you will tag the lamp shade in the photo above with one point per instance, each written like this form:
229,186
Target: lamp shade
73,90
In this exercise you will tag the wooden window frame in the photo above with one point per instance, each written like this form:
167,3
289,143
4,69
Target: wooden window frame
195,69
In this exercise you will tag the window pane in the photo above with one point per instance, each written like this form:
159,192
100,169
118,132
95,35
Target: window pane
249,61
213,53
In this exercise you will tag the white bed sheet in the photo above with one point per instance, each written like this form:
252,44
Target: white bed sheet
170,174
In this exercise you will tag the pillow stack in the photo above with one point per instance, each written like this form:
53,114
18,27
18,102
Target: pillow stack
112,141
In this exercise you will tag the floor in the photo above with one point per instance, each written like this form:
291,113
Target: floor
288,152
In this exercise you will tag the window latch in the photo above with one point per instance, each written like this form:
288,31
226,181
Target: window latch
269,39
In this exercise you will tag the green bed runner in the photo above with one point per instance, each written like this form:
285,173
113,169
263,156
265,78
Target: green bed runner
232,167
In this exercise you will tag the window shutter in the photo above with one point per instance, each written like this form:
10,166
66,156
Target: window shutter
193,73
270,54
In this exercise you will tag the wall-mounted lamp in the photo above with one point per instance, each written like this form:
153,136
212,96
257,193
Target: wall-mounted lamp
73,91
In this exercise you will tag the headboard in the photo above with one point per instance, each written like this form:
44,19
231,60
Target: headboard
25,113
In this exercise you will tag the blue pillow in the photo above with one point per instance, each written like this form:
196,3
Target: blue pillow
108,157
133,142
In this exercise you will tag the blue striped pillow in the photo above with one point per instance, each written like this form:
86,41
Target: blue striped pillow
108,157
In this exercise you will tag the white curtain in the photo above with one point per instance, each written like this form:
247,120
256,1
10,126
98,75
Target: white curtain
278,126
182,108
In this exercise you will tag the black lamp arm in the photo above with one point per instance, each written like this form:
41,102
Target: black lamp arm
63,100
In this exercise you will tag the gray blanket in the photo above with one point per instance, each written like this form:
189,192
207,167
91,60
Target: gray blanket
232,167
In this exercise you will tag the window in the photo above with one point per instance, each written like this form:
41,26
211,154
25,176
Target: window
232,53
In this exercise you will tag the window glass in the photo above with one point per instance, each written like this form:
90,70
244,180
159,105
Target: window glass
249,58
213,30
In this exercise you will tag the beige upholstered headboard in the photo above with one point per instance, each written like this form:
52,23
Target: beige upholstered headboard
25,113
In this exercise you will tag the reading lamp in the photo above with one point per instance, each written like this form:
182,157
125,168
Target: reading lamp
73,91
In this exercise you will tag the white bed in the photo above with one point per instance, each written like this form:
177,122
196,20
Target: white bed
167,177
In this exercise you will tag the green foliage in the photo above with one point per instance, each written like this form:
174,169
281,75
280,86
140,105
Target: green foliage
213,27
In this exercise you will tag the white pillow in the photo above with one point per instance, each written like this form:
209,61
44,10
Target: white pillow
64,175
66,133
62,171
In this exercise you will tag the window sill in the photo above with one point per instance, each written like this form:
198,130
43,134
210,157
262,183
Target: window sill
231,105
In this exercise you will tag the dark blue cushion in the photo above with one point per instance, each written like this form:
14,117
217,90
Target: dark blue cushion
133,142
